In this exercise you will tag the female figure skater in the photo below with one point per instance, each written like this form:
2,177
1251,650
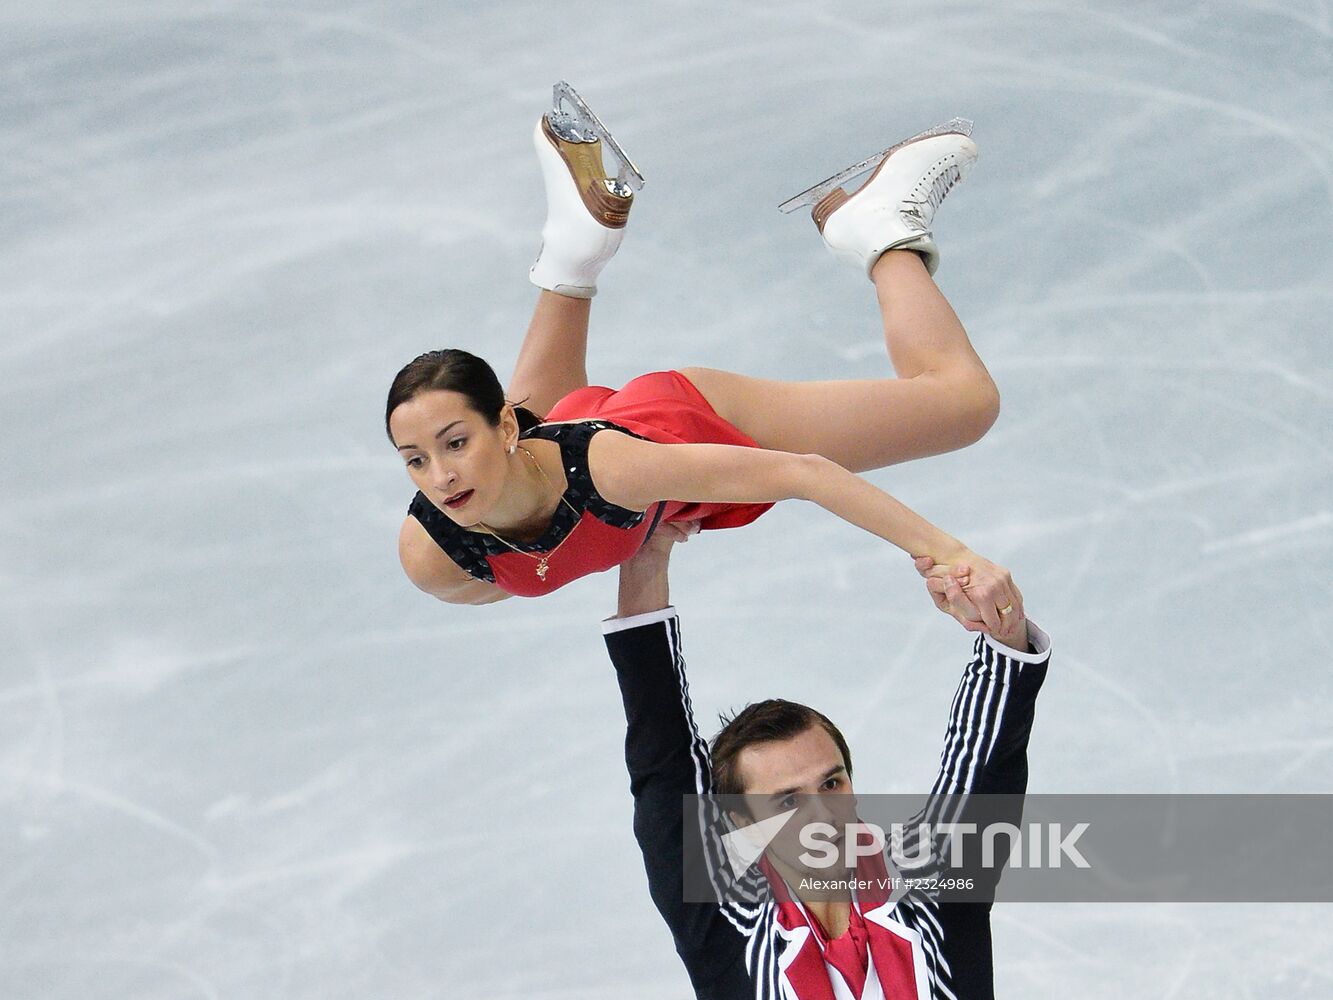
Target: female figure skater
513,504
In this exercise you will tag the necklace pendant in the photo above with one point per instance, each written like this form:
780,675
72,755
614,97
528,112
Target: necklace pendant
542,569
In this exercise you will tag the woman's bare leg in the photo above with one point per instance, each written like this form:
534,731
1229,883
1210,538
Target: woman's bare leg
553,359
942,399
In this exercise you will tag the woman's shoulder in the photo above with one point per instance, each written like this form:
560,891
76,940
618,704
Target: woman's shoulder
616,466
438,546
595,466
432,571
425,563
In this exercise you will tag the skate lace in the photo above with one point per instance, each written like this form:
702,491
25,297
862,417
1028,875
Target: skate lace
934,186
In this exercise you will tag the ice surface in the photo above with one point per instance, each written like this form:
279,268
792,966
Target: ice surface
241,757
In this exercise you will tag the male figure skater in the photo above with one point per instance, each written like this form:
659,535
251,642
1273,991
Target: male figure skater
775,940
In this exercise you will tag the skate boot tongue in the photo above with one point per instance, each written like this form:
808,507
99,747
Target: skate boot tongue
922,209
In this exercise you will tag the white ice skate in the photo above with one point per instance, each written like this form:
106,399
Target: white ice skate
895,207
586,209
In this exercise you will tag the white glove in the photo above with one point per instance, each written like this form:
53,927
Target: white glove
585,221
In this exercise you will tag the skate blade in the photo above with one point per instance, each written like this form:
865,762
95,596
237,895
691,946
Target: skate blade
954,126
573,121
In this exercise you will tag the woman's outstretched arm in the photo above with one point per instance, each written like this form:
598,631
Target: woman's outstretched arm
635,474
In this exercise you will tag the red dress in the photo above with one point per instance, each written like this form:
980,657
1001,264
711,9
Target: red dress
663,407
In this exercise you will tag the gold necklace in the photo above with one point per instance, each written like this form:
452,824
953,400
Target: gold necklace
542,567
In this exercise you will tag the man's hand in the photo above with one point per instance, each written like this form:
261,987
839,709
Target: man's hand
643,577
664,539
946,589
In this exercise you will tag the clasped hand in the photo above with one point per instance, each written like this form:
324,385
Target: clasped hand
977,593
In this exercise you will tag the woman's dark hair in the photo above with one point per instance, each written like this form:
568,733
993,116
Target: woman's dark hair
455,371
765,722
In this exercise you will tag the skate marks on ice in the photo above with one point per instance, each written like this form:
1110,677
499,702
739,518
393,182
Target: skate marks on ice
223,233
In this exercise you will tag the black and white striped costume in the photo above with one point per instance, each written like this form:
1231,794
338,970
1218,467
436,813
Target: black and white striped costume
732,949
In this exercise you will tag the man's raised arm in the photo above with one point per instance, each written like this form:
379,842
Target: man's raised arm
985,753
667,761
985,749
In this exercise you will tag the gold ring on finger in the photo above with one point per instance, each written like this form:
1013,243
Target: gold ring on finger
1006,609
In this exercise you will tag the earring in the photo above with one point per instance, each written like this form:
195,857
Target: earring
513,448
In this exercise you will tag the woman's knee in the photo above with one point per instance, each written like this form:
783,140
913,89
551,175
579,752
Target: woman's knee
978,408
967,404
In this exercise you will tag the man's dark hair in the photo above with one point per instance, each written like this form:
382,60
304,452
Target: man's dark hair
764,722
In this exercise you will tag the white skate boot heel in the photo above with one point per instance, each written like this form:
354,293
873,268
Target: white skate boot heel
586,209
895,207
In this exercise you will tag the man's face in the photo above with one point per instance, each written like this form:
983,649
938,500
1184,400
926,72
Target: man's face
807,773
